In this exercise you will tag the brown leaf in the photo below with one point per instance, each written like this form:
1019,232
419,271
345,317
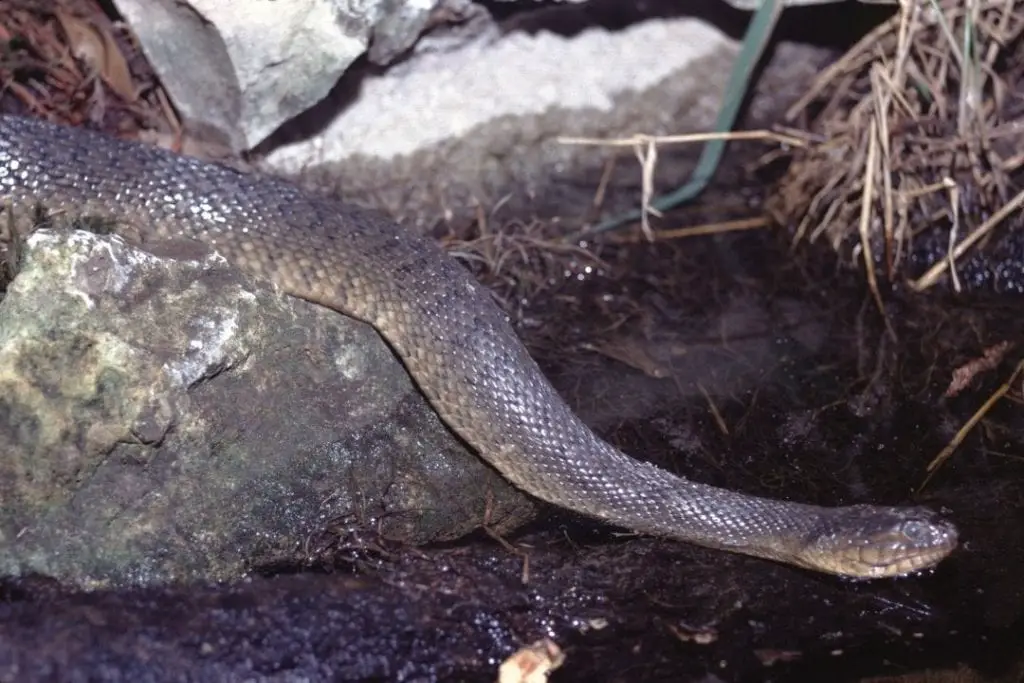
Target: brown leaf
965,374
99,51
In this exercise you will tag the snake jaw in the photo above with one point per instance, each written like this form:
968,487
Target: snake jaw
870,542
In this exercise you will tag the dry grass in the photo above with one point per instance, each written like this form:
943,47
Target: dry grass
645,148
947,451
517,259
919,130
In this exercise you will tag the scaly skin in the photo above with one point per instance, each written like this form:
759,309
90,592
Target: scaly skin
455,342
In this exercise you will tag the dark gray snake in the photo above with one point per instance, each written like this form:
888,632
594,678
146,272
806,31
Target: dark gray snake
455,342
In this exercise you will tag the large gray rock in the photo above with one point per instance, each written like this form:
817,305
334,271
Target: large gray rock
237,75
168,419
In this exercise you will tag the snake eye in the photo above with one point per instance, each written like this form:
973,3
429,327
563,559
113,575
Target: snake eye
916,531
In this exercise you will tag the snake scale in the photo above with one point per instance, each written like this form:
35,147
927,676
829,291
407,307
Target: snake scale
454,340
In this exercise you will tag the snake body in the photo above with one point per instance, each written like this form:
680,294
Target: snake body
453,339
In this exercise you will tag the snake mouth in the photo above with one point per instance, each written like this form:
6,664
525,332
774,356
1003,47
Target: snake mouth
870,542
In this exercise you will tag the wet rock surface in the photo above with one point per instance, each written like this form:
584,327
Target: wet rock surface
819,404
163,418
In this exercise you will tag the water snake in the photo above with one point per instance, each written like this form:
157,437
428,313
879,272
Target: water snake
454,340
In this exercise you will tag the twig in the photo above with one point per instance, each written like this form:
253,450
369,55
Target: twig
647,155
954,203
644,139
865,221
958,438
936,271
715,413
700,230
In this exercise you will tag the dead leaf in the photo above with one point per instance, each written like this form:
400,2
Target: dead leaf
99,51
966,373
689,634
532,664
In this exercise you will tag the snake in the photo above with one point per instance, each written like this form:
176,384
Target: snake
454,339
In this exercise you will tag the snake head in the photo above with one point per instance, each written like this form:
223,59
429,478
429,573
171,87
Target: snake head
870,542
